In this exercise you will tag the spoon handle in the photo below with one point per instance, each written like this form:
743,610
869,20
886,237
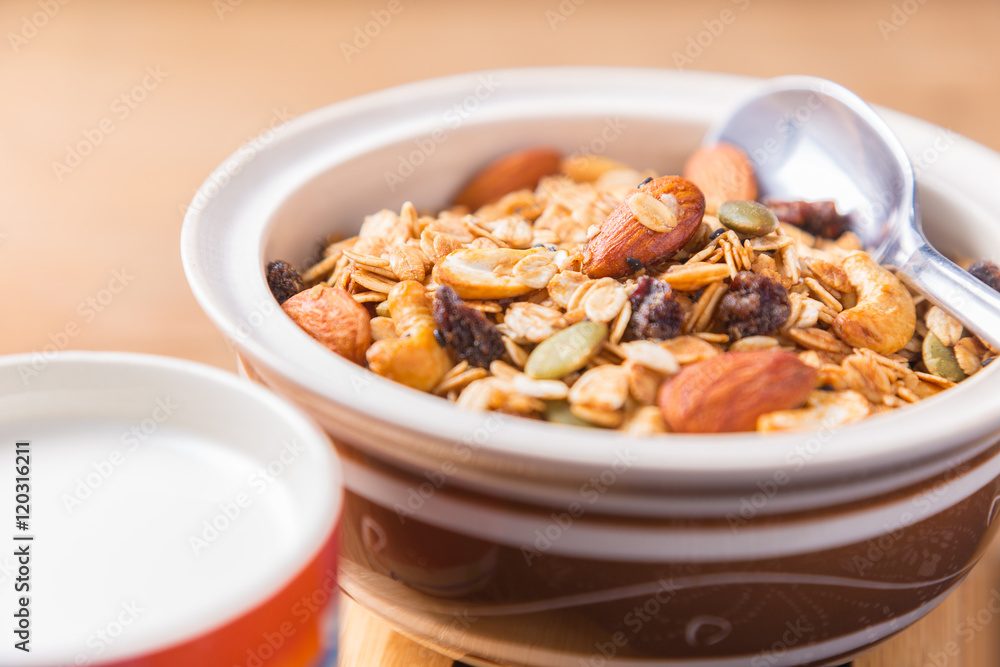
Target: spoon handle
952,289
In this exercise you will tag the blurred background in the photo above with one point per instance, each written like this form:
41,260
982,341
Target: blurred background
114,112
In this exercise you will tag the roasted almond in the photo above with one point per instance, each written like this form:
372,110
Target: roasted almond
723,172
649,226
728,392
519,170
334,318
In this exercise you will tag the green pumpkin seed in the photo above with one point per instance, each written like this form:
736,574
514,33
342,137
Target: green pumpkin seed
559,412
940,359
747,217
565,352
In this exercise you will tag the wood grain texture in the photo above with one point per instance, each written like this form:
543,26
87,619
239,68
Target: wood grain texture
368,641
151,96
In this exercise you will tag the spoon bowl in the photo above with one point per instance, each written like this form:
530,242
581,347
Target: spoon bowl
812,139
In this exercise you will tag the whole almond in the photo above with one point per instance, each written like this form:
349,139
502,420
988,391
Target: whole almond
723,172
637,229
334,318
728,392
519,170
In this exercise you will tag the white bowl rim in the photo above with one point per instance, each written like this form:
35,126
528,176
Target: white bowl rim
228,229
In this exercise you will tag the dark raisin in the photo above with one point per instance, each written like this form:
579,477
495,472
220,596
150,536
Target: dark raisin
648,179
717,233
284,281
819,218
755,305
655,312
548,246
634,264
987,272
466,330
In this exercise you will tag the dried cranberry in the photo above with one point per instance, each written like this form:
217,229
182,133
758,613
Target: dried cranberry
655,312
819,218
466,330
755,305
284,281
987,272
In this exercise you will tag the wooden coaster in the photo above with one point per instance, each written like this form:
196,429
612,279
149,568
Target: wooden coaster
367,641
963,632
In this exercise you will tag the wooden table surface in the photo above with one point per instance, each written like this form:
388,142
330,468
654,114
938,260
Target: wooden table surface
113,113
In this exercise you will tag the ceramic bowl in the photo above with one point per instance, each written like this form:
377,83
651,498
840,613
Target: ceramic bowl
506,541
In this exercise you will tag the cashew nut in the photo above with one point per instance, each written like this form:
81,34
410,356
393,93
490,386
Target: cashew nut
884,319
823,409
485,273
414,358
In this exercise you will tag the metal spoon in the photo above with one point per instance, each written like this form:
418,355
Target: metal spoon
810,138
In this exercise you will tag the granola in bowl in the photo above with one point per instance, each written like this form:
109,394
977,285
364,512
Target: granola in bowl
583,291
